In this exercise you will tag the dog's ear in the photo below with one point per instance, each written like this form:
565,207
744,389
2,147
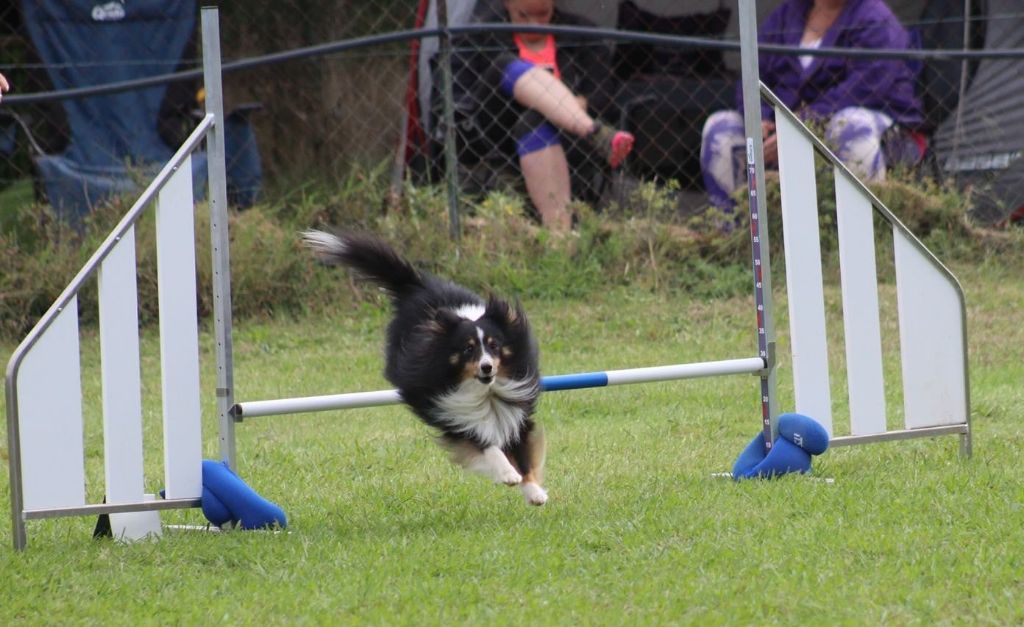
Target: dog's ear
447,319
441,322
499,311
502,312
520,315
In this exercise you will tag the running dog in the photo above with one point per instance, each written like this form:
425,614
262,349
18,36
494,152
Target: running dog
464,365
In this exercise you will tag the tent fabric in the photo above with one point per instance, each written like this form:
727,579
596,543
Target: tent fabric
991,126
981,141
459,14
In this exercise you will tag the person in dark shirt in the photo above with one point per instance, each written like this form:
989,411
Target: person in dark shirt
525,85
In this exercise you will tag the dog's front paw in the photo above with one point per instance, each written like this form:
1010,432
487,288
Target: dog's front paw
534,494
508,476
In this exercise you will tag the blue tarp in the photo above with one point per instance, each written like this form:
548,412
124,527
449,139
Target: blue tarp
115,142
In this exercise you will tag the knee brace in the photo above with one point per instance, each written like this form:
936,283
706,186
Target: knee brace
514,70
537,138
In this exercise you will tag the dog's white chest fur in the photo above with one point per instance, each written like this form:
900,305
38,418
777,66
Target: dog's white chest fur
485,411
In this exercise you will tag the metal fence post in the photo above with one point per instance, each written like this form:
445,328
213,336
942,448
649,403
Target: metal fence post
450,159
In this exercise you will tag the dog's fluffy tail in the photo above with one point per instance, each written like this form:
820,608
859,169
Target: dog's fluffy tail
367,256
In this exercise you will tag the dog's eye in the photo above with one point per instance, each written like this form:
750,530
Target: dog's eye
492,346
468,350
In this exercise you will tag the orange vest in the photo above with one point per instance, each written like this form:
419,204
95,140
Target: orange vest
545,57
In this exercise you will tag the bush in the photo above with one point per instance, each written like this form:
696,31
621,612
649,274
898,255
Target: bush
645,244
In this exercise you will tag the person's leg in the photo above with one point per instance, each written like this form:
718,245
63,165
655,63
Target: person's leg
856,133
537,89
546,174
722,139
544,168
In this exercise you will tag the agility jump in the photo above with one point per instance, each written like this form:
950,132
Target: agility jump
43,381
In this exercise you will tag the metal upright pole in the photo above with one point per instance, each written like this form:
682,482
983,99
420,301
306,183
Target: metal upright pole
751,80
447,95
18,533
219,233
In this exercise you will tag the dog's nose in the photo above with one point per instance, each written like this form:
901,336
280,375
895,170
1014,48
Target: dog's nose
486,368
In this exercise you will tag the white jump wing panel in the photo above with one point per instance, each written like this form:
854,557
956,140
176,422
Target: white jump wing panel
932,339
179,336
803,274
862,330
50,417
122,386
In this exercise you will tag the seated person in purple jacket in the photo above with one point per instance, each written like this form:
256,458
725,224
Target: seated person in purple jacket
868,106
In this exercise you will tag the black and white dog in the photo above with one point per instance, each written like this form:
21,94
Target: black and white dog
465,366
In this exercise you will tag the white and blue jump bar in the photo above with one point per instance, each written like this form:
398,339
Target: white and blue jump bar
552,383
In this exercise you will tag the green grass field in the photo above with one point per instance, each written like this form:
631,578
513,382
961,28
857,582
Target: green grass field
384,531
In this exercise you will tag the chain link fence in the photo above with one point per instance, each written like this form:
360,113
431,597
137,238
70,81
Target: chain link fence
379,110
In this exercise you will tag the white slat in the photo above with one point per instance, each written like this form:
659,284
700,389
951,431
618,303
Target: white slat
932,340
130,526
803,273
861,325
122,386
50,417
179,336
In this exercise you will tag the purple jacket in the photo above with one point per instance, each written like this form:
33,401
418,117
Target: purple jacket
833,83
